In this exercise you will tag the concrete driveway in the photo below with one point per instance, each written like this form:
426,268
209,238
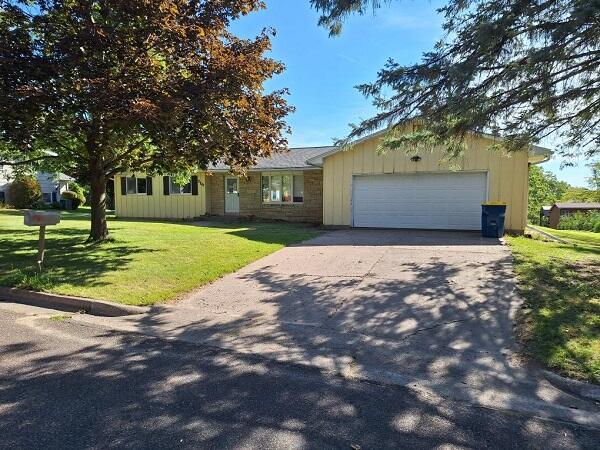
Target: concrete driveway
428,309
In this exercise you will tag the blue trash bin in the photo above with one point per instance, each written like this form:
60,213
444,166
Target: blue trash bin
492,219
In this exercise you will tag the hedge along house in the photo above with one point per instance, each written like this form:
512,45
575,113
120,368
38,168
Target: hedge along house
357,187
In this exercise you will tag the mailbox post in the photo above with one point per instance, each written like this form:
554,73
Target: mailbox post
41,219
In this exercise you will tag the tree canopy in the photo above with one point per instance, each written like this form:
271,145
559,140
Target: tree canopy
544,190
580,194
98,87
521,69
594,178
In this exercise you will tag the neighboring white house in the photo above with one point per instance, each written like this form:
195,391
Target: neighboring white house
52,185
5,172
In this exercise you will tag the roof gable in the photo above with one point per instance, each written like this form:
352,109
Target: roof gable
537,154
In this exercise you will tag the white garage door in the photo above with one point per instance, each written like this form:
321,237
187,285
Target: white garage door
444,201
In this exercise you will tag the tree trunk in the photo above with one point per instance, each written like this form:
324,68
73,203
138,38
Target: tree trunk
99,228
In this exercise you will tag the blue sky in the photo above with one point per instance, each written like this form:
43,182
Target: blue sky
321,72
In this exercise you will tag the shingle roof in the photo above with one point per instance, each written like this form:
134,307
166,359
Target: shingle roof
63,177
294,158
577,205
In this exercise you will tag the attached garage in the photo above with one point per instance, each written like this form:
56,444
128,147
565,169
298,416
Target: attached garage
439,201
363,187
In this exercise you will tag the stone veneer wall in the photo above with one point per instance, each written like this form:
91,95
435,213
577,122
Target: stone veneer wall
251,205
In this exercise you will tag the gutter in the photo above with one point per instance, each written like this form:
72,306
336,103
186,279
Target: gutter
543,154
266,169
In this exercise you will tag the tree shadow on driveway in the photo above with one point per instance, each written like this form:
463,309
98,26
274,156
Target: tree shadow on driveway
428,309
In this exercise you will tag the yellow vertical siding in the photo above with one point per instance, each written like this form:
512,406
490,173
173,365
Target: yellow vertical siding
507,176
159,205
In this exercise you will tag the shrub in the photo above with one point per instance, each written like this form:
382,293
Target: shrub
25,192
79,190
74,197
586,221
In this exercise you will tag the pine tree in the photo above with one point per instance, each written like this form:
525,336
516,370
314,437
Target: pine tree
522,69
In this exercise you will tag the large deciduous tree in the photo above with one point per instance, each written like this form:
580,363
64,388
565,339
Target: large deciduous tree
523,69
97,87
544,190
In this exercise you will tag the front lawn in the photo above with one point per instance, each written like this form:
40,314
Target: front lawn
560,324
147,262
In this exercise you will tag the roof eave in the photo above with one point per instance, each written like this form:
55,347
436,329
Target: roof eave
539,155
265,169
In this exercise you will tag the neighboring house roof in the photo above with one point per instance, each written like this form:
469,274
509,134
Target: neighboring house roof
294,158
63,177
537,154
579,205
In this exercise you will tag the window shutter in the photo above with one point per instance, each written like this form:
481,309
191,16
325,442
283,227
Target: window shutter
148,185
166,185
123,186
194,185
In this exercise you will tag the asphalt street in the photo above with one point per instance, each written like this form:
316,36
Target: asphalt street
70,385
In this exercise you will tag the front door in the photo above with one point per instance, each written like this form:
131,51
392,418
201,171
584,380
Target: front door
232,195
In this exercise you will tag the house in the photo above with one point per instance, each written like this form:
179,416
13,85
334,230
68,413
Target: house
561,209
52,185
356,187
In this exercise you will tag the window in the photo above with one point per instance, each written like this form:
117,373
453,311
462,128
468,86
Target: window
282,188
141,185
231,185
179,189
298,188
286,190
46,197
136,185
266,186
275,189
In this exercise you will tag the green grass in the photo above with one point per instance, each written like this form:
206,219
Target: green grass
60,318
583,238
146,262
560,320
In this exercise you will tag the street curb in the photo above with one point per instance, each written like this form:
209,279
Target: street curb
68,303
580,388
462,393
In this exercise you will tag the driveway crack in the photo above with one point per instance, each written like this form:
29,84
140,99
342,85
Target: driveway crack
437,325
361,278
